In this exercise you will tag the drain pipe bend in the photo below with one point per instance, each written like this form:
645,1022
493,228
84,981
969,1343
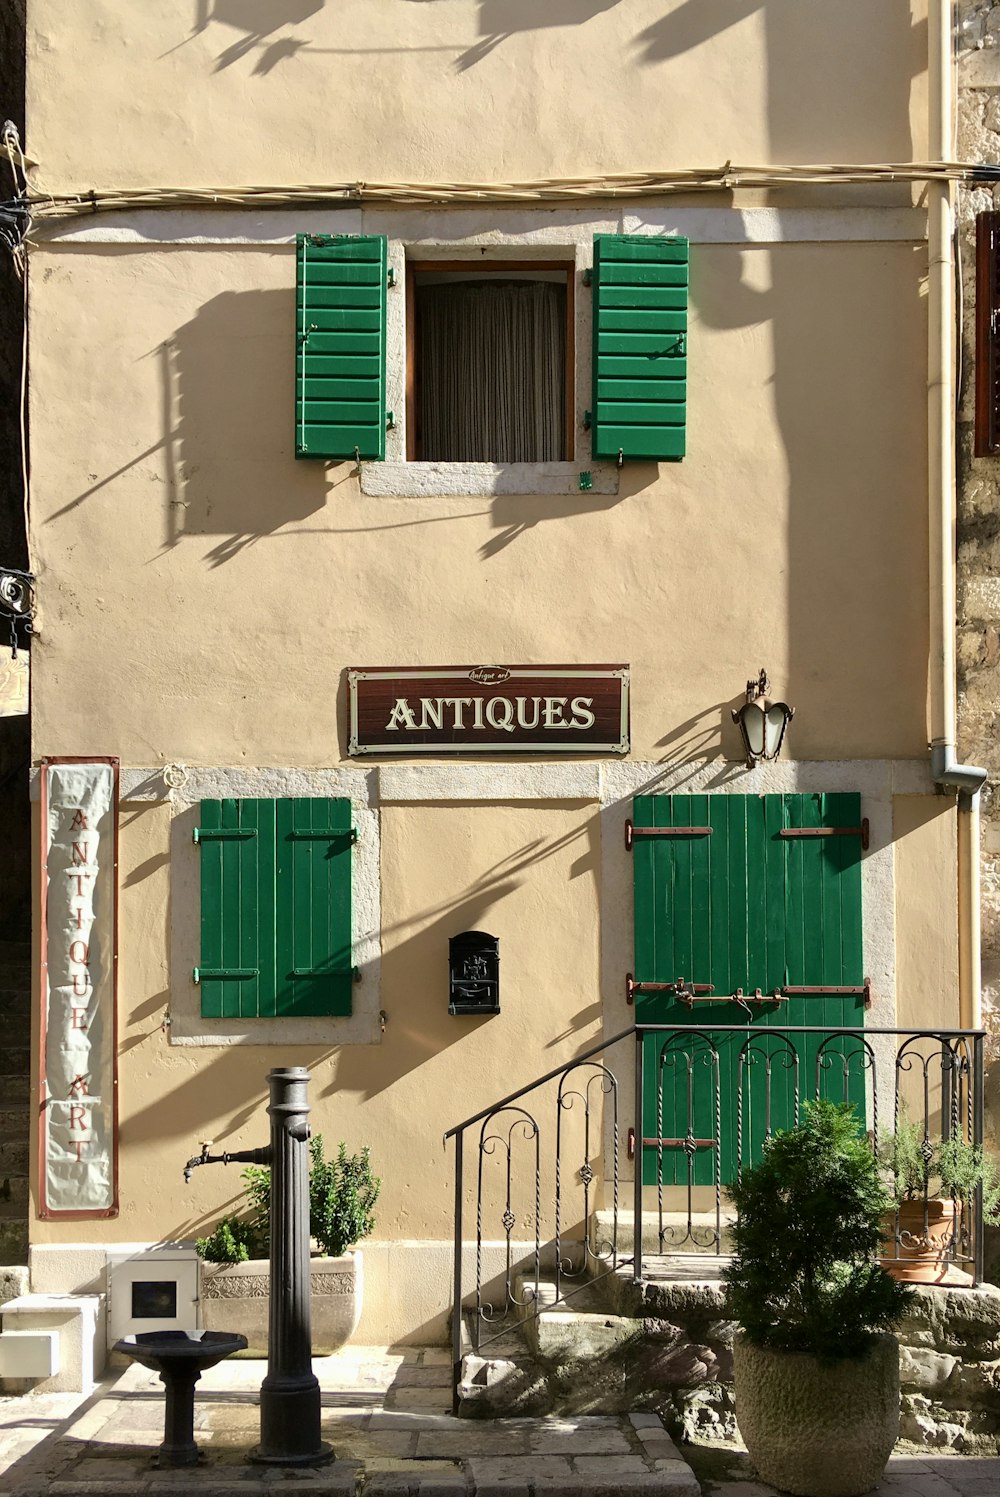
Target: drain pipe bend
948,774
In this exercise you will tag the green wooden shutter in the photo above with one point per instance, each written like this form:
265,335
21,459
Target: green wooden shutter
743,907
236,974
275,908
314,970
340,357
640,346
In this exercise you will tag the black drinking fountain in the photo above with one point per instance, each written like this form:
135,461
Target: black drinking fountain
289,1394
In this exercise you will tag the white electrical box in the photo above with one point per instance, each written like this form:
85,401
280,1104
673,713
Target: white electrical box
152,1289
29,1354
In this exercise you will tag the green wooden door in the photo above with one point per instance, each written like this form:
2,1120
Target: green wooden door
735,905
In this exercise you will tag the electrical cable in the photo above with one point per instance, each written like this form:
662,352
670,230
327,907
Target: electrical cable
725,178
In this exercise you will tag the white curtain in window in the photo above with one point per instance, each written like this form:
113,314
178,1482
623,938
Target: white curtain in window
492,371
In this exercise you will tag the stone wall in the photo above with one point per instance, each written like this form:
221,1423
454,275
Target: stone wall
978,538
669,1350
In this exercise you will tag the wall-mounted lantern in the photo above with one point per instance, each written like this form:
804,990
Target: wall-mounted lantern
474,973
761,722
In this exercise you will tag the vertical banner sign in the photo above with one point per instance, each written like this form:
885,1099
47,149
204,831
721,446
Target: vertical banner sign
78,1096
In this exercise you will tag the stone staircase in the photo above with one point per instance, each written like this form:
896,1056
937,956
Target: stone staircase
609,1345
15,1113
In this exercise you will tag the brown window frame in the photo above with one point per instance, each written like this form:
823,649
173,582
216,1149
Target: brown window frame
485,268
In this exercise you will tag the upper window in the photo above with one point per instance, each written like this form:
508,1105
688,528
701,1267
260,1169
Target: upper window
489,354
489,362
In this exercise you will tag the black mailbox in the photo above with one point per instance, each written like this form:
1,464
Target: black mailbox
474,973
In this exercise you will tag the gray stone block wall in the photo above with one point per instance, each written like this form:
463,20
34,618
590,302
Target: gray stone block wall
671,1353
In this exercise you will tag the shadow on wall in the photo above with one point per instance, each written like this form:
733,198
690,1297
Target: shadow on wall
259,20
228,398
415,962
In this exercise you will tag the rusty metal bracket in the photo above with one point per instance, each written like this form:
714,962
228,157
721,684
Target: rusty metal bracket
864,991
681,989
631,832
687,1144
829,831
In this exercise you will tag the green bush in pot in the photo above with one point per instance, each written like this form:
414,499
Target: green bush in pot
342,1196
817,1377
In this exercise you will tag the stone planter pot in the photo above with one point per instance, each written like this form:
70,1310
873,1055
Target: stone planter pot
814,1430
922,1255
234,1297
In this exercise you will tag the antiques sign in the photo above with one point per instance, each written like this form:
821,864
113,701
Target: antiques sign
490,709
78,1114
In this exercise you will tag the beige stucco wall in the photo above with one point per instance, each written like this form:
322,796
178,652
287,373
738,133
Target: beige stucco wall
522,872
246,91
164,491
926,873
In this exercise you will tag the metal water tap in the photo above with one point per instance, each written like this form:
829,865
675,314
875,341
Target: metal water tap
239,1156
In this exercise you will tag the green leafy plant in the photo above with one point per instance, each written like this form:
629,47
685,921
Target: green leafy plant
342,1195
956,1166
805,1275
229,1242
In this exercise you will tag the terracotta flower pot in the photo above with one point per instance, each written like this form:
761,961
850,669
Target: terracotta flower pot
818,1430
922,1254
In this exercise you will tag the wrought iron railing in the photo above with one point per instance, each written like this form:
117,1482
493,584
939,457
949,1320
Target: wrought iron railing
546,1155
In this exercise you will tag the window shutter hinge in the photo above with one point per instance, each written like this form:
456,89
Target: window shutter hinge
390,421
588,277
390,278
587,420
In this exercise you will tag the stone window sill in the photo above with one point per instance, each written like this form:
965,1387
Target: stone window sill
433,480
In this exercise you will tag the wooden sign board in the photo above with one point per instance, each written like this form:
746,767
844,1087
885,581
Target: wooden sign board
490,709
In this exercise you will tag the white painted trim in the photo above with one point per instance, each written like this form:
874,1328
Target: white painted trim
495,225
604,779
204,782
404,783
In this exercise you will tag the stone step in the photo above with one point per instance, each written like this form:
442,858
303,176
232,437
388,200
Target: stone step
681,1234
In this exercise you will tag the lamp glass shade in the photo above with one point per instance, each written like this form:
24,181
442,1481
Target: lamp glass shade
775,722
753,728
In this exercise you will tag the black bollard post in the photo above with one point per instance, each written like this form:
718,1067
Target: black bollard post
289,1394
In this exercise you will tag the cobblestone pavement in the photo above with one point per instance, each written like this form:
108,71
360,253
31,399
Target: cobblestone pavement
725,1471
386,1414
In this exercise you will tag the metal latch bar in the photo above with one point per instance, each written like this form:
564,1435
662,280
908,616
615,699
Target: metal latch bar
324,834
223,833
354,973
688,1144
216,974
864,991
680,988
829,831
631,832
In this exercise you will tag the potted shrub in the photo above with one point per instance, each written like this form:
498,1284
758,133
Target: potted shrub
923,1223
816,1376
236,1269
